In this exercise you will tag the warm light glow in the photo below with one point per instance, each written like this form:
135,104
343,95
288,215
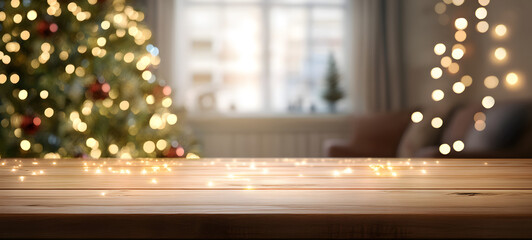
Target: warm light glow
488,102
440,8
171,119
14,78
436,73
156,122
417,117
458,146
457,53
458,87
124,105
150,99
91,142
479,116
161,144
480,125
458,2
25,35
460,35
512,78
22,94
491,82
484,2
439,49
146,75
481,13
113,149
48,112
105,25
467,80
69,68
436,122
43,94
500,53
129,57
101,41
167,102
445,149
17,18
454,68
25,145
500,30
460,23
482,26
82,127
148,147
32,15
437,95
446,61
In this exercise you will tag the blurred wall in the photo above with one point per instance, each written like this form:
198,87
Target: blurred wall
422,30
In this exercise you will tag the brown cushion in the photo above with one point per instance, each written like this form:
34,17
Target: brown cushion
460,123
379,135
505,124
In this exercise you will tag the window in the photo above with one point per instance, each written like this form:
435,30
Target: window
258,55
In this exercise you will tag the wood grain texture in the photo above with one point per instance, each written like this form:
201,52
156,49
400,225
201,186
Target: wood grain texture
266,198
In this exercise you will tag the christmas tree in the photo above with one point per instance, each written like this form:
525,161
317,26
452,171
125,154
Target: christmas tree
76,80
332,92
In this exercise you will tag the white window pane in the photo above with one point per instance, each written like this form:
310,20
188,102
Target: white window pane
224,57
288,45
224,63
240,59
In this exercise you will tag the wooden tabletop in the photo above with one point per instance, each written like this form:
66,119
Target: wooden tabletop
265,198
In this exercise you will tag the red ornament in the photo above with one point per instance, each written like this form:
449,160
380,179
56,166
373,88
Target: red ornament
99,90
174,152
30,124
46,29
160,92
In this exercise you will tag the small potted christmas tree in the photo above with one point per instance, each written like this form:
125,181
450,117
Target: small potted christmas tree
332,91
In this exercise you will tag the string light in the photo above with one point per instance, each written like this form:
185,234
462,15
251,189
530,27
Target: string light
500,53
458,146
482,26
500,30
488,102
460,23
417,117
481,13
436,122
438,95
458,87
436,73
43,94
491,82
439,49
445,149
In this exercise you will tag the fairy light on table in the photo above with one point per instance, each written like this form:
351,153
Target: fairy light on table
243,174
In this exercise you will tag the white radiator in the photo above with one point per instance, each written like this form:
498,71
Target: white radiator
293,136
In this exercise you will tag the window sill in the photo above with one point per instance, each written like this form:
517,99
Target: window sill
268,116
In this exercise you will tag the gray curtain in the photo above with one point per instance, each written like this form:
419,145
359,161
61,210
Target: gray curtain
377,55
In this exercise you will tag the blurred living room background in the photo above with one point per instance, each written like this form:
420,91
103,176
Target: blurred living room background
290,78
253,73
